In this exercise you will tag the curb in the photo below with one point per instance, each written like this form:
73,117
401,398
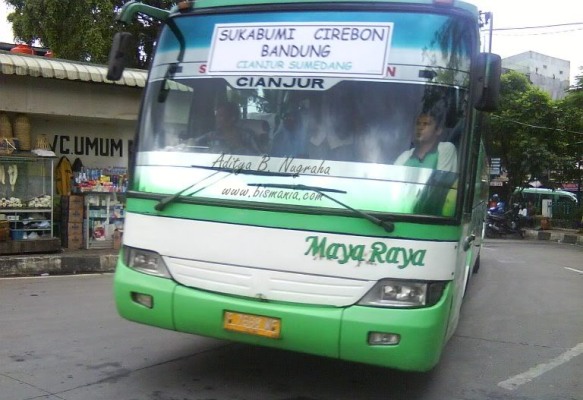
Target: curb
554,236
56,264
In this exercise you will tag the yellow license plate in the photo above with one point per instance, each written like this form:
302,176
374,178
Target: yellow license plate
252,324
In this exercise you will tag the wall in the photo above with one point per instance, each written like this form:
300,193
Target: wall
93,121
97,143
548,73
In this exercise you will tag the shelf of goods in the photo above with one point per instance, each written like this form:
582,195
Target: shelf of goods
26,204
29,224
104,220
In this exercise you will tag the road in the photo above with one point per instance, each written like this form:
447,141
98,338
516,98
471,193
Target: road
520,337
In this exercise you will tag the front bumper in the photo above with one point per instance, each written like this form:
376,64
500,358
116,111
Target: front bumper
327,331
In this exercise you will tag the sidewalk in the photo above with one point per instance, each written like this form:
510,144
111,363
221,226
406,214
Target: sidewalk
69,262
567,236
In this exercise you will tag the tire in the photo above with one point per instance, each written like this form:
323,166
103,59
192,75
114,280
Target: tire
476,265
491,233
467,286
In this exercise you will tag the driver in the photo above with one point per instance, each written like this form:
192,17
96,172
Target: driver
428,151
229,136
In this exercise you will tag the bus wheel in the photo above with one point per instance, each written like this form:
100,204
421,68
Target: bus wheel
476,265
467,287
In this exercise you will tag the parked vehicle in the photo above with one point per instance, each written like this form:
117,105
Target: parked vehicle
563,202
509,223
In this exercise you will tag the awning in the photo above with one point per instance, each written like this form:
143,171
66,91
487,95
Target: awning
43,67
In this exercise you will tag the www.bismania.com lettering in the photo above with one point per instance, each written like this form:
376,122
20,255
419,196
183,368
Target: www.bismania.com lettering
260,193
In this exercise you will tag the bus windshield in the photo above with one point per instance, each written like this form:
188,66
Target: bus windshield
385,144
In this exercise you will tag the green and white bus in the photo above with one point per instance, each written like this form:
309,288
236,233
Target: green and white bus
266,204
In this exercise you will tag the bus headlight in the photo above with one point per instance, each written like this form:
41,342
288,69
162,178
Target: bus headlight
394,293
145,261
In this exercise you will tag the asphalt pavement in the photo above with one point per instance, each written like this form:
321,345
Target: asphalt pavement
518,338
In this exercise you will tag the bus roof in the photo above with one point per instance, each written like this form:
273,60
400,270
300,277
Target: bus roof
225,3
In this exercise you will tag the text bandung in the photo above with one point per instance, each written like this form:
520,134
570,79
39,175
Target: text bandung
298,49
294,51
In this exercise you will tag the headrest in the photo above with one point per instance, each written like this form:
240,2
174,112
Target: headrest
257,126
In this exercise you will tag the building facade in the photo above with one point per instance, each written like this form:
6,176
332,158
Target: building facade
73,105
547,73
74,113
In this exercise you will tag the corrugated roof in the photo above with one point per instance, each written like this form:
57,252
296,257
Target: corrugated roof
43,67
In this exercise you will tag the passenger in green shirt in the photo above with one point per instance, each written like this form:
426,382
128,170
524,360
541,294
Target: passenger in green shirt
428,151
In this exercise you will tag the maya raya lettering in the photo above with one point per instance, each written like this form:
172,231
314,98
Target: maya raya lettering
376,253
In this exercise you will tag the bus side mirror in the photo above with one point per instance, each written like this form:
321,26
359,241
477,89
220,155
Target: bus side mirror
118,55
487,81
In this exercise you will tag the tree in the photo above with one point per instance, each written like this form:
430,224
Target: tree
82,30
571,121
578,86
523,133
144,32
75,30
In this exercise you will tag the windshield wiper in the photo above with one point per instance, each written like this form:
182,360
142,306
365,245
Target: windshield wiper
169,199
387,225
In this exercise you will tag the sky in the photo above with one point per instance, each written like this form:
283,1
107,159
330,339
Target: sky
562,42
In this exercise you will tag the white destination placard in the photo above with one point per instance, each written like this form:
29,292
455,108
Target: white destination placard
331,49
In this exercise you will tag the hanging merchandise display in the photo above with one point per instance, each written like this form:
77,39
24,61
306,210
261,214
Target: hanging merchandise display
12,175
42,142
77,165
5,126
22,132
7,146
63,176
